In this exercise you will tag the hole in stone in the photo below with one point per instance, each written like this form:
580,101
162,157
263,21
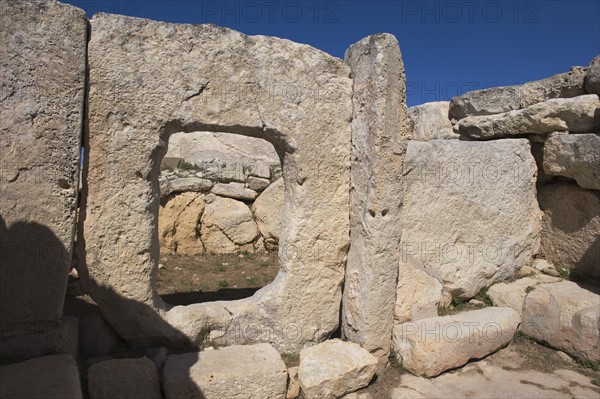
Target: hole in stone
64,184
372,213
219,217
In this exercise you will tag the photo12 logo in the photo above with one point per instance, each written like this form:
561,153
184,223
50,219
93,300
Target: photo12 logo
319,12
525,12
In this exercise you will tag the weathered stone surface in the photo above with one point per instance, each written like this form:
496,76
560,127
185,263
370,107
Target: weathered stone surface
151,79
566,317
184,184
178,224
570,227
576,115
432,346
124,378
223,156
234,190
512,295
41,117
379,133
267,211
61,337
224,221
576,156
293,389
239,371
502,375
418,294
257,183
592,79
470,213
430,121
48,377
334,368
508,98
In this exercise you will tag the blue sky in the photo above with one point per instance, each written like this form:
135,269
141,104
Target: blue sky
448,47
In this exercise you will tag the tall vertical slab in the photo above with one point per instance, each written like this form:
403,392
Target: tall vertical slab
378,146
42,90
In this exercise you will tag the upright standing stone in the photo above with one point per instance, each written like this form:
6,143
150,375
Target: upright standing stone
378,134
42,70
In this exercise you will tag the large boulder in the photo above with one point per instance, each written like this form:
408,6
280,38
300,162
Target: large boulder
470,213
267,211
48,377
334,368
512,294
124,378
178,224
570,227
496,100
592,79
418,294
576,156
227,224
430,121
432,346
379,135
151,79
43,72
566,317
576,115
234,190
239,371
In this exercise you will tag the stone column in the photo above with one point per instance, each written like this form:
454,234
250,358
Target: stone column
378,144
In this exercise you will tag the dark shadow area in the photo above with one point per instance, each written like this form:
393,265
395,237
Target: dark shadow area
226,294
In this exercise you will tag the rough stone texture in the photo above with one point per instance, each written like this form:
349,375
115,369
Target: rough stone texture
124,378
178,224
234,190
570,227
223,156
293,389
62,337
334,368
508,98
184,184
41,115
239,371
267,211
378,144
432,346
513,294
227,223
576,115
418,294
470,212
150,79
502,375
430,121
592,80
48,377
566,317
576,156
257,183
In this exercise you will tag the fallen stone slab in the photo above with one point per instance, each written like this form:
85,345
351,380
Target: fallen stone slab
234,190
513,294
430,121
248,371
48,377
592,79
470,215
576,156
124,378
418,294
257,183
570,226
576,115
334,368
431,346
566,317
195,184
496,100
43,75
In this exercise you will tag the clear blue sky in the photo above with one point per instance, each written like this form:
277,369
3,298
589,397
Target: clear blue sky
448,47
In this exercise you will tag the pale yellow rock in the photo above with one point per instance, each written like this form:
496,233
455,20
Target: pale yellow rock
293,389
225,221
418,295
267,210
178,224
513,294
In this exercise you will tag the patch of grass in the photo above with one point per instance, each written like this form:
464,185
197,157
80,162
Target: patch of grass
564,272
223,283
483,296
529,289
245,252
589,364
222,268
424,375
522,335
188,166
290,358
251,280
263,263
394,362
